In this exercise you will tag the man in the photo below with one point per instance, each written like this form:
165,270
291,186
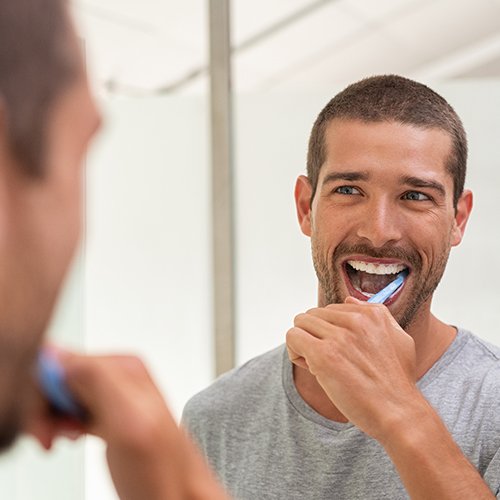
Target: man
368,401
47,118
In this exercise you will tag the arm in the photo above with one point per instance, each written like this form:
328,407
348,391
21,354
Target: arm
148,455
429,462
365,363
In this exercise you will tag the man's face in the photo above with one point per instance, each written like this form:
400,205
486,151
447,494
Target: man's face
40,220
384,203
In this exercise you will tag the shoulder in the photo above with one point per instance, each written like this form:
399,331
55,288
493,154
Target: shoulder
478,355
476,373
238,388
467,373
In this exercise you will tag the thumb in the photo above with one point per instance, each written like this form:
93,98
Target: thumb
353,300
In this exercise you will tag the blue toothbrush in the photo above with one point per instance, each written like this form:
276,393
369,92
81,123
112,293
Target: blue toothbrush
387,292
52,381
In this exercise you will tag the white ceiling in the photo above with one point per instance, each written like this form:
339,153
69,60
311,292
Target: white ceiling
136,46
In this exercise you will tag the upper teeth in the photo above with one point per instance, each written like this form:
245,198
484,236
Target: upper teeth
371,268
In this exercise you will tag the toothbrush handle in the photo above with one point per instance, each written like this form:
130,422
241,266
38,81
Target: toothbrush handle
387,292
51,377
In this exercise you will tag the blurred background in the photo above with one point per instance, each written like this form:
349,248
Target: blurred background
144,279
285,45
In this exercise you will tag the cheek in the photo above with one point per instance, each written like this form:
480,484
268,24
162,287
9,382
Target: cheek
325,237
65,218
330,224
433,244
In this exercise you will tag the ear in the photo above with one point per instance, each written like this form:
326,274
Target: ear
464,208
303,193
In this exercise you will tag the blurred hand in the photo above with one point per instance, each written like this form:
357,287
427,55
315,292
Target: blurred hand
149,457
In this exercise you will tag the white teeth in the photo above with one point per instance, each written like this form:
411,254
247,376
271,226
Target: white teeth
371,268
366,294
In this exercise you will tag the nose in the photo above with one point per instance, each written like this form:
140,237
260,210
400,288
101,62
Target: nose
380,224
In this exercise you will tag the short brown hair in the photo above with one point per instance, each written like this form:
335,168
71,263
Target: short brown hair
391,98
37,61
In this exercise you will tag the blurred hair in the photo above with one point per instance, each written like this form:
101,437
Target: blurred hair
37,62
391,98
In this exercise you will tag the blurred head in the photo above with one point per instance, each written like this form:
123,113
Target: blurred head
391,98
47,118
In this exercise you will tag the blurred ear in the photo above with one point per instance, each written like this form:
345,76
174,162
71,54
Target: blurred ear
303,193
464,208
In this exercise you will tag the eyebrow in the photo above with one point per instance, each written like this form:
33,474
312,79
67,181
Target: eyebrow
346,176
418,182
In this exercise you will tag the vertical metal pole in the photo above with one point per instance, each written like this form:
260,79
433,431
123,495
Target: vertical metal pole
222,185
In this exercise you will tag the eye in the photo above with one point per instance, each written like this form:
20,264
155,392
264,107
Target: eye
347,190
415,196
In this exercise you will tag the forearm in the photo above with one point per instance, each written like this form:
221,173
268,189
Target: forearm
201,483
174,473
429,462
148,456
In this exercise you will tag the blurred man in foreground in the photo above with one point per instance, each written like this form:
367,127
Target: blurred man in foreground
47,119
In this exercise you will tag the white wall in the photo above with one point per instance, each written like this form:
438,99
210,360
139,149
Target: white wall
470,293
147,282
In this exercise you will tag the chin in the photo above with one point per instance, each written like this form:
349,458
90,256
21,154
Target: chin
10,427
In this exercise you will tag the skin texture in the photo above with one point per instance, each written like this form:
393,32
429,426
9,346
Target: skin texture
40,223
353,361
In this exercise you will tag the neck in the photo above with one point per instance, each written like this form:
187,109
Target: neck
432,338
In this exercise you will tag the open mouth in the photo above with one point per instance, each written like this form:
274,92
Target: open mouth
368,278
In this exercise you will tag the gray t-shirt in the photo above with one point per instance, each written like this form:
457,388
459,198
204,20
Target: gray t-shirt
265,442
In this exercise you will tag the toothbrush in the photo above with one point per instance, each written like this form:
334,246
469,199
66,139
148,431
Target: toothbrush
387,292
51,377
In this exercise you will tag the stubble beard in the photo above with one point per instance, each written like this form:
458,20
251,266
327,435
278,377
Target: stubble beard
331,281
16,380
10,427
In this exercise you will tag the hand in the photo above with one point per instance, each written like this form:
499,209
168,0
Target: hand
148,455
361,358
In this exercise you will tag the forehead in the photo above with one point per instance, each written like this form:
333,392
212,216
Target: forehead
386,148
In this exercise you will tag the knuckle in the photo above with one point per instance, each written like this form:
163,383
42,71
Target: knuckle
357,318
290,334
134,364
378,311
300,318
322,361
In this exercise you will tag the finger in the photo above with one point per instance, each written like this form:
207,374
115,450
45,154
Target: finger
297,360
317,324
342,317
373,307
301,346
354,300
98,383
46,430
342,307
114,386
